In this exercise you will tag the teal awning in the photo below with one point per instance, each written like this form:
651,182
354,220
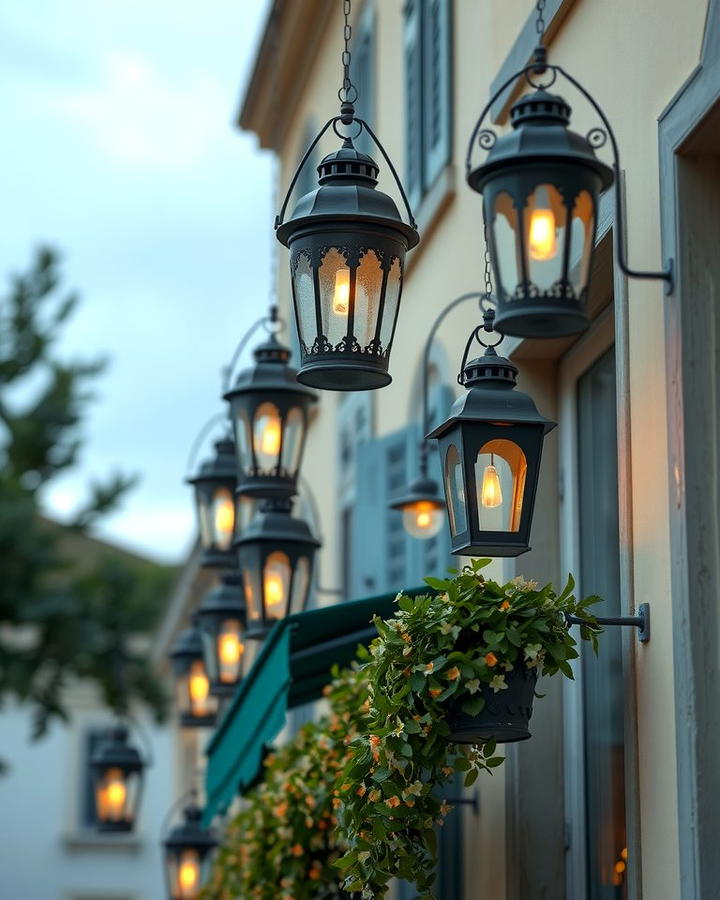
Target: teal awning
291,669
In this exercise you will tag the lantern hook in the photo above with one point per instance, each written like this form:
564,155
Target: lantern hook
273,323
539,66
641,621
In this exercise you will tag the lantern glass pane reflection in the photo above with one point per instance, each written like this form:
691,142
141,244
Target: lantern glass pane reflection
500,474
301,583
454,491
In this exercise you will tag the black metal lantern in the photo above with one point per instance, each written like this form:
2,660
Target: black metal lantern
269,411
221,620
117,774
490,449
422,508
188,849
540,185
196,704
276,555
215,500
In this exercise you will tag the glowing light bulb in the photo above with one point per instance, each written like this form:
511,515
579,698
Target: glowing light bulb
491,492
270,436
274,589
115,793
422,520
542,239
224,511
230,649
189,874
341,294
199,688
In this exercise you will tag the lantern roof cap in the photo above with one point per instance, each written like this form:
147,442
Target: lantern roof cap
492,396
421,490
220,467
346,195
115,752
190,834
540,137
275,523
188,645
226,598
271,372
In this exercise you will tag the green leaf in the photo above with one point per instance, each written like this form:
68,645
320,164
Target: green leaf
346,861
471,778
474,705
566,670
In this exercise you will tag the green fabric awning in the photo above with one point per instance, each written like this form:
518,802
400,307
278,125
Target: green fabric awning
291,669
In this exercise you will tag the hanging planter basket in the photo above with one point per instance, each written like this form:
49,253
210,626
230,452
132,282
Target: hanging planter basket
505,717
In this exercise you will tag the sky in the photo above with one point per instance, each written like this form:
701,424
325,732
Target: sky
119,148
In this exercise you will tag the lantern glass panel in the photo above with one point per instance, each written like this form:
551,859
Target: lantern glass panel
116,794
276,584
244,511
500,475
508,260
184,874
390,306
301,583
267,436
545,223
230,650
455,491
292,440
423,519
335,286
243,441
198,687
223,517
305,299
368,291
583,235
204,519
252,583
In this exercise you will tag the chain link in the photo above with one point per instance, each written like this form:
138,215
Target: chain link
347,35
540,21
488,275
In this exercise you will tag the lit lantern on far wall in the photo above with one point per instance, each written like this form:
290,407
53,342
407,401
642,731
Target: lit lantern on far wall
541,185
117,774
221,620
215,500
276,554
196,704
188,849
490,450
422,508
269,411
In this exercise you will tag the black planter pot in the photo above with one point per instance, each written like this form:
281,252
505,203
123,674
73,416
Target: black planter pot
505,716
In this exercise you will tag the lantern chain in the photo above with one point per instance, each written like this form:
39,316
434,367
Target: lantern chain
540,20
348,92
275,174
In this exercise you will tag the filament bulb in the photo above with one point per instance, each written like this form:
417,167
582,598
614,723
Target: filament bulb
491,493
341,294
543,242
274,590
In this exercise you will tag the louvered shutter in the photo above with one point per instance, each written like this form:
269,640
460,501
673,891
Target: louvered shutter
437,88
363,74
413,181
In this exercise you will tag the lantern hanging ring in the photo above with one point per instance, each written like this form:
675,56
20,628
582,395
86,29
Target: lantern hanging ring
273,324
597,137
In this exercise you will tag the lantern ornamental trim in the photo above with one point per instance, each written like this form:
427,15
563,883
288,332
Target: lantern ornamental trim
222,620
196,704
215,502
188,848
276,555
541,185
117,774
490,450
269,412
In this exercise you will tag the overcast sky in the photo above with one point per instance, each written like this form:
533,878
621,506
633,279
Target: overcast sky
119,148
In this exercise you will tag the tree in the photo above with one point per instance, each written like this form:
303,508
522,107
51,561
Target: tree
70,606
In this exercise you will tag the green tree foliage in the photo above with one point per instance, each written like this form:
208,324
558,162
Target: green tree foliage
70,607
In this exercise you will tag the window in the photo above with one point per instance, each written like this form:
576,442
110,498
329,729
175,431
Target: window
428,94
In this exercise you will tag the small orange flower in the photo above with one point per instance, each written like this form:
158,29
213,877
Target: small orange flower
505,605
429,667
410,803
374,740
453,674
435,692
297,850
490,659
393,802
280,810
337,802
361,791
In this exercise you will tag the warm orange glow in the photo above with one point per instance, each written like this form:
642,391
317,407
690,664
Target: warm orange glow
423,519
341,294
224,514
199,688
270,436
230,649
189,875
112,795
274,589
491,492
542,240
624,853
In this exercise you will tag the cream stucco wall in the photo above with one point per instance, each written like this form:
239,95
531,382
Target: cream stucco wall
633,55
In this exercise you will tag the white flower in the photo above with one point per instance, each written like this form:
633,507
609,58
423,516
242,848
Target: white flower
508,666
473,686
532,651
497,683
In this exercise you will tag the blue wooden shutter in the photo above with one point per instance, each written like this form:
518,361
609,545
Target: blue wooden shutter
354,433
437,88
413,181
363,74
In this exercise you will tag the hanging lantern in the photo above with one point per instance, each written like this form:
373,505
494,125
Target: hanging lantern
422,507
117,774
276,555
221,620
490,448
540,185
347,245
188,849
196,704
215,500
269,410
